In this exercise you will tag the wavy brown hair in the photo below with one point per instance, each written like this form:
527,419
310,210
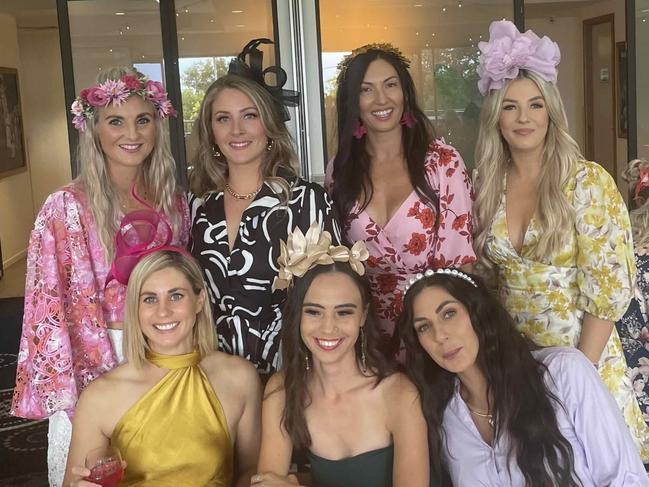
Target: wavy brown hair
352,162
210,173
294,351
522,405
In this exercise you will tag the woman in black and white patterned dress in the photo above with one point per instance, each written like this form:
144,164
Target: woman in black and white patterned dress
246,197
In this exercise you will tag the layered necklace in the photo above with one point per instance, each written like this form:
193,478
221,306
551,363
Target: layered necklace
239,196
482,414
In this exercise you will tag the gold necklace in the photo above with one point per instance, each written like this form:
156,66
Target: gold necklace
489,417
240,196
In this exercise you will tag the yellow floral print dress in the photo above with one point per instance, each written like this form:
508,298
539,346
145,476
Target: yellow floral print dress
593,273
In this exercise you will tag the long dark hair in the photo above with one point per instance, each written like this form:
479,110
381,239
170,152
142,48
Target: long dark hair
352,162
522,404
294,350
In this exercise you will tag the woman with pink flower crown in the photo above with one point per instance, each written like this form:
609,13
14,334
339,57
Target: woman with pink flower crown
73,308
551,226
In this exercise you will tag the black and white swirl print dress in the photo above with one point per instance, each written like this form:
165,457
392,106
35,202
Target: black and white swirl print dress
247,312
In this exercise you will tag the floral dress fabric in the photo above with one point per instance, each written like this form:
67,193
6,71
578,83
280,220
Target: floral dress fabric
634,333
594,272
247,312
64,344
417,237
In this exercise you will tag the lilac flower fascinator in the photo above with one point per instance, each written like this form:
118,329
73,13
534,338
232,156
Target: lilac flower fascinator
508,51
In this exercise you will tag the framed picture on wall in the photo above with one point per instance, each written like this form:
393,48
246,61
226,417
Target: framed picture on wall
622,98
12,141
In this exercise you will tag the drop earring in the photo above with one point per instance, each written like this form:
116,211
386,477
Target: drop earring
215,151
359,130
363,350
270,145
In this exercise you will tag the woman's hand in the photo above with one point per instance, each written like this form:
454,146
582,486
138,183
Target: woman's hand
273,480
79,473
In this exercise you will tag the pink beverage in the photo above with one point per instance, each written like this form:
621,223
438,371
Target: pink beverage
108,474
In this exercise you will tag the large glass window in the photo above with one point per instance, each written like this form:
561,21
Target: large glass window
107,33
439,37
210,35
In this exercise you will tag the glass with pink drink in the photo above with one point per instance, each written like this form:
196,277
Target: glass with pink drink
105,465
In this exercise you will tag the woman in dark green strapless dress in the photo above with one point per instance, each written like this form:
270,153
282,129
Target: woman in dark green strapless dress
336,396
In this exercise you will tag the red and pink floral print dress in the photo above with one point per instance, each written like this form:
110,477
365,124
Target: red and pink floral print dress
64,344
417,237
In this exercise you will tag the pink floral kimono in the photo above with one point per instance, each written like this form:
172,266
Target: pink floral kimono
416,237
64,343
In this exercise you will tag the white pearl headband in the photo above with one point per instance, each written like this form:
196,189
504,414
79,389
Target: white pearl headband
431,272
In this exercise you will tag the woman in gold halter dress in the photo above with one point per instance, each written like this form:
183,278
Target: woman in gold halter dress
179,412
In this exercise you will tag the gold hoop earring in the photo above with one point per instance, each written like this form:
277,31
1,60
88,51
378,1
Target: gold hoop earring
215,151
363,350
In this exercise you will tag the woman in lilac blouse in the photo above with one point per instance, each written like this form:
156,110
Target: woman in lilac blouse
500,410
406,194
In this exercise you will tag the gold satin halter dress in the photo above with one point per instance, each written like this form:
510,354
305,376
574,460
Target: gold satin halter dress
176,434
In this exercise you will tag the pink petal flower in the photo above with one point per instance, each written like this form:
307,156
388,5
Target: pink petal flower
132,82
77,107
79,123
155,91
97,97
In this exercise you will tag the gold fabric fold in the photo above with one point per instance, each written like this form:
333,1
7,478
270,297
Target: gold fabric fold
177,433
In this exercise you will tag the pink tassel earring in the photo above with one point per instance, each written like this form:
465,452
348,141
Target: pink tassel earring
359,130
408,120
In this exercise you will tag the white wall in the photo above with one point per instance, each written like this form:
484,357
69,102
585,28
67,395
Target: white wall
44,111
16,205
642,78
617,8
567,32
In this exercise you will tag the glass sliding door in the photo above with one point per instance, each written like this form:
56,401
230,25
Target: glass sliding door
210,35
439,37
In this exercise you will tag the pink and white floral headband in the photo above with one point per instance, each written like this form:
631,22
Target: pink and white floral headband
117,92
300,253
508,51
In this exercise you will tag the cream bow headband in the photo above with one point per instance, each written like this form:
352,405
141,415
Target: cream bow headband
300,253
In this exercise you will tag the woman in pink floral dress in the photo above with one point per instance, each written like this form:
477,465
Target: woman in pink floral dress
73,315
395,186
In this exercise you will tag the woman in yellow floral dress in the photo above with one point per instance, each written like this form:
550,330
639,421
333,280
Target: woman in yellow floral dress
552,226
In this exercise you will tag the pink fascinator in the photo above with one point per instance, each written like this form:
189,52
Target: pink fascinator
140,233
508,51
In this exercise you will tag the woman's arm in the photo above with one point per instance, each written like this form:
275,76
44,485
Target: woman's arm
595,333
409,434
86,433
249,426
611,457
276,444
605,260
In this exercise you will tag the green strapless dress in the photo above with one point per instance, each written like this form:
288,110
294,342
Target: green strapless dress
369,469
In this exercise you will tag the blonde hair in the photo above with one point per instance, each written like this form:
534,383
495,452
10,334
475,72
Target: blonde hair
210,173
640,216
554,214
135,343
158,175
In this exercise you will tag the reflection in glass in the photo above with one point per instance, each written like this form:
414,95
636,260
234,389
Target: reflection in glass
210,35
107,33
439,37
